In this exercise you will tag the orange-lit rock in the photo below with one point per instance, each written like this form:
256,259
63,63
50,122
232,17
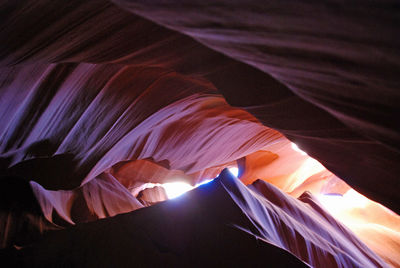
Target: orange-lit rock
295,172
248,225
152,195
97,99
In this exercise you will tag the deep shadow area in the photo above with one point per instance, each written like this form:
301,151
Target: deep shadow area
187,231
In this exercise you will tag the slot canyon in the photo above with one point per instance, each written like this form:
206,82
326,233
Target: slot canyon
166,133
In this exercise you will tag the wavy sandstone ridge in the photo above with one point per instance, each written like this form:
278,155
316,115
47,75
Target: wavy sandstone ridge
100,99
246,224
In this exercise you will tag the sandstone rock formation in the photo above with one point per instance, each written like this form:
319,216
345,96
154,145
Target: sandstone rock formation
99,99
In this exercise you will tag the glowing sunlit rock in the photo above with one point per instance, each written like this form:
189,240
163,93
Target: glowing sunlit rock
175,189
234,171
338,203
297,149
309,167
203,182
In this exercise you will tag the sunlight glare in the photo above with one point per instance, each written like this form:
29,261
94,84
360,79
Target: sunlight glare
297,149
234,171
337,203
175,189
203,182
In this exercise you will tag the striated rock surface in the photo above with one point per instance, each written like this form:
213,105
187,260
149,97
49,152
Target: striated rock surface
247,227
341,57
333,89
99,98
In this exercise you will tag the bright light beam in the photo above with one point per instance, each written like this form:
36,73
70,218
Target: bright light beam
336,204
234,171
175,189
203,182
297,149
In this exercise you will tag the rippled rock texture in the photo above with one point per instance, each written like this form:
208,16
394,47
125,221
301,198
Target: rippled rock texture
249,226
100,98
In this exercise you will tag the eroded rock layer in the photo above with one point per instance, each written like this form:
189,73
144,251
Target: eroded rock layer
247,227
343,69
100,98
